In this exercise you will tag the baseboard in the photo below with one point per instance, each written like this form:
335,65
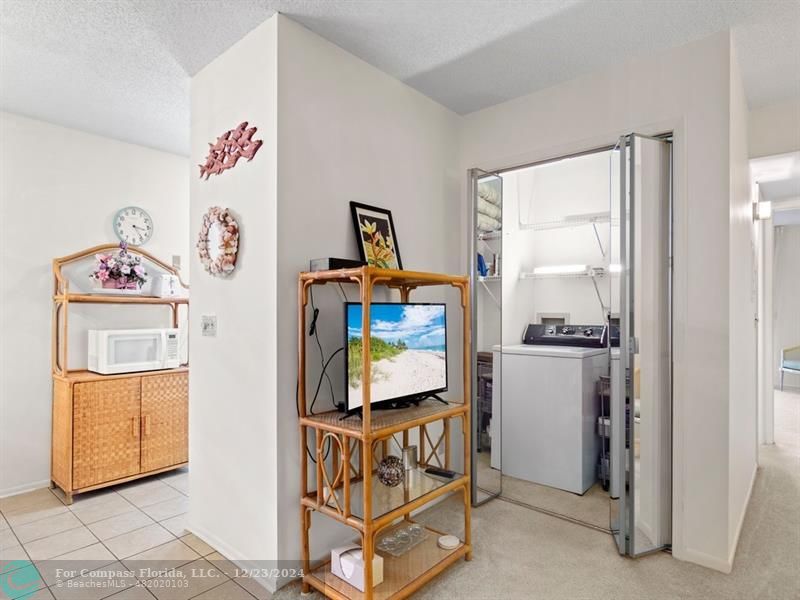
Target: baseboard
788,388
25,487
703,559
714,562
252,566
735,545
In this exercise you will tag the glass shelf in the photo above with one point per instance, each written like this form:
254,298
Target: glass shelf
401,575
385,499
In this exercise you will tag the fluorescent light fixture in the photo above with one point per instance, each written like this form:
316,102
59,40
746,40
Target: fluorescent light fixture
561,270
615,268
762,210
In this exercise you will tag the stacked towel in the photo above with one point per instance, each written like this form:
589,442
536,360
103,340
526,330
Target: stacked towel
490,193
487,224
489,211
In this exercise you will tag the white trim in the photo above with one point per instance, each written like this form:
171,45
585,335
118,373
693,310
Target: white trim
735,544
268,583
25,487
705,560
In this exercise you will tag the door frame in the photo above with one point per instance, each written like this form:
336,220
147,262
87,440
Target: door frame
629,343
473,175
674,130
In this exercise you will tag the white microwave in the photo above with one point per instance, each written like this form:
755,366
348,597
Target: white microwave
130,350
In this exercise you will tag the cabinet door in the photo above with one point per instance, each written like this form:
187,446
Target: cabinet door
106,430
165,420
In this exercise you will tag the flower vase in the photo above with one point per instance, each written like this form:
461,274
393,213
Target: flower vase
120,284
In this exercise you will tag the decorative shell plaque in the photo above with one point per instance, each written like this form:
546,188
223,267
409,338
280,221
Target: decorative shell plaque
218,241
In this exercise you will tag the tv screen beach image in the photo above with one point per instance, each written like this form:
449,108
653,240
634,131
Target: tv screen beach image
407,348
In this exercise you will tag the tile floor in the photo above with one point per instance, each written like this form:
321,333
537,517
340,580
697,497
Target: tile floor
125,543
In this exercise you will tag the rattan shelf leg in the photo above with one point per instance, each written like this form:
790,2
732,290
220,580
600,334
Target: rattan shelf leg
467,489
305,524
368,553
367,540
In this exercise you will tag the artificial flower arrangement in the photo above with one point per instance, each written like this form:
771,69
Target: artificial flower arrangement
122,271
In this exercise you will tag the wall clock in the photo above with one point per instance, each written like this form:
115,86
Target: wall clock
133,225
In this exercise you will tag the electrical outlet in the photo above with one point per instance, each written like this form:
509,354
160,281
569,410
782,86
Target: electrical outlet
208,325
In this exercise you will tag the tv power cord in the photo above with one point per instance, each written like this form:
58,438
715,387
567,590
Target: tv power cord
313,330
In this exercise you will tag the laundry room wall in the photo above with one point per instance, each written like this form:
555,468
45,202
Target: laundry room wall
535,200
686,90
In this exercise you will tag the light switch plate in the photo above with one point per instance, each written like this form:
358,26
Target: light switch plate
208,325
176,261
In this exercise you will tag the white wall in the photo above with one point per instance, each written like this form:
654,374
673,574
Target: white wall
774,129
786,298
233,407
348,131
550,192
60,189
686,90
743,307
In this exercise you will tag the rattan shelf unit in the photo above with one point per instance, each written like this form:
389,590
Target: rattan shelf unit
109,429
346,487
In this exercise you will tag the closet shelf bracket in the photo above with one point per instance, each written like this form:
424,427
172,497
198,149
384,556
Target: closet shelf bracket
489,291
597,237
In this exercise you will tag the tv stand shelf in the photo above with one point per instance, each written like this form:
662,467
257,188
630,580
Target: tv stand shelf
386,422
340,455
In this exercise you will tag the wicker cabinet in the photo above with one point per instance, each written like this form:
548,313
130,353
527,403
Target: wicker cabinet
105,425
165,422
110,429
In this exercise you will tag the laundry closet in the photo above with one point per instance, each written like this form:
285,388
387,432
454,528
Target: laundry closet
571,276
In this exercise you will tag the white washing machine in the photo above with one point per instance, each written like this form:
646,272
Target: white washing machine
549,414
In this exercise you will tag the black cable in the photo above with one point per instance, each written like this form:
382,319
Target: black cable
319,383
297,406
313,330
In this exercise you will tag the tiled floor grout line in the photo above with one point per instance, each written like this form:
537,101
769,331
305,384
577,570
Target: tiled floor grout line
80,524
119,560
69,507
213,588
166,482
233,579
14,533
113,556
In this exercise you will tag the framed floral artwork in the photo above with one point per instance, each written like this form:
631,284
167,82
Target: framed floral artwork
377,240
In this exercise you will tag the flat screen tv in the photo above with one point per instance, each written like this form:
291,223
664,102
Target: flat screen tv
408,347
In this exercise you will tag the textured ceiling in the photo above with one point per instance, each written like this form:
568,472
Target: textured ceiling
121,68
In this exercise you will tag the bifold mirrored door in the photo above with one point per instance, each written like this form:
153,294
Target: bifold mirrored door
641,376
486,249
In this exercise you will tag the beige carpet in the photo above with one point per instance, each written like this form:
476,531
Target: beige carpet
524,554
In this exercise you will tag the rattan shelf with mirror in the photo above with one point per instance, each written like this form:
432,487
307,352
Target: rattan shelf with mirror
340,456
109,429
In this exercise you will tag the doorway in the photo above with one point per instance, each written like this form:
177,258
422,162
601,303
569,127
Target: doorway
571,272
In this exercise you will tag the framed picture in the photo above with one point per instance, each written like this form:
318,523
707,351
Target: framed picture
377,241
